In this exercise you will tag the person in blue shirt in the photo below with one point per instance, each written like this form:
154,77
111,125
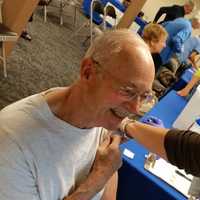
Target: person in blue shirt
179,32
191,49
192,44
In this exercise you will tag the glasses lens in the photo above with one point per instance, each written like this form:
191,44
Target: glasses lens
147,97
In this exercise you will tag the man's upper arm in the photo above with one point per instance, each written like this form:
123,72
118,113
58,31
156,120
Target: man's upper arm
16,180
110,192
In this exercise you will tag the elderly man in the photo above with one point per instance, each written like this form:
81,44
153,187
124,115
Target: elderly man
51,143
175,11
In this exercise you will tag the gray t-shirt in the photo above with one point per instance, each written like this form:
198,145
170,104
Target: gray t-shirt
41,156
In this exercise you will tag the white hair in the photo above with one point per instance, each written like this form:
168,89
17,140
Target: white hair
190,3
111,43
196,16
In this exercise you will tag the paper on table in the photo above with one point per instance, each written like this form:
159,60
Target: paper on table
128,153
168,173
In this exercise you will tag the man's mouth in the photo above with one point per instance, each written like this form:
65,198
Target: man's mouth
120,113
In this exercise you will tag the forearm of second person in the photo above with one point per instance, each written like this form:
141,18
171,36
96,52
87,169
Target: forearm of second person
150,137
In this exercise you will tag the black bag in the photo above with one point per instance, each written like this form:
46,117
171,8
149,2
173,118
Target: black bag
166,77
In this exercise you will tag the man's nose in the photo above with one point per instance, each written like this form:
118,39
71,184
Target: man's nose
134,105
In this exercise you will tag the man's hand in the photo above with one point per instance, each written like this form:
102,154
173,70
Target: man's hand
107,161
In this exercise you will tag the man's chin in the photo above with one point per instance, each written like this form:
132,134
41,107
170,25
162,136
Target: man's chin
118,115
113,126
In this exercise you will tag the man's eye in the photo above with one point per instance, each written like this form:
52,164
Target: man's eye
125,93
130,94
147,96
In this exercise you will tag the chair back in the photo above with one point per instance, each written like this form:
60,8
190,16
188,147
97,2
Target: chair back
87,7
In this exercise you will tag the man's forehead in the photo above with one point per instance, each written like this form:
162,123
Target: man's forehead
140,87
134,66
135,76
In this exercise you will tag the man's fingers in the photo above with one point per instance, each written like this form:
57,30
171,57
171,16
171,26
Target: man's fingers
105,143
116,140
124,139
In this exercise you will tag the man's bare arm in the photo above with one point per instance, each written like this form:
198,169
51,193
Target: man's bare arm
110,192
107,162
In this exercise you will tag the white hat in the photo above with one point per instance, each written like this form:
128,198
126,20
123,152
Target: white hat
191,3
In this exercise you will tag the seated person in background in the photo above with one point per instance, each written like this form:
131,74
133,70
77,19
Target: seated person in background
179,31
195,79
155,37
51,143
175,11
169,73
180,148
191,48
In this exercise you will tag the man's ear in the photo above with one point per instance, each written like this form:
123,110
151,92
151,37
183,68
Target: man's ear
87,68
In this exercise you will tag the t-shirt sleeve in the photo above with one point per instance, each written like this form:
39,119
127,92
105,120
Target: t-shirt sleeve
182,149
16,180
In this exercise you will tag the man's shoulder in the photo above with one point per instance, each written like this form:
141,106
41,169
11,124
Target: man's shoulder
23,103
16,117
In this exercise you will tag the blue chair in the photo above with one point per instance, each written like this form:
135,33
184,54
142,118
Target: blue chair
141,23
88,10
86,6
97,19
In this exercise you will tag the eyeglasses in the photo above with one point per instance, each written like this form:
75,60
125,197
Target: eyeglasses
127,92
130,94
